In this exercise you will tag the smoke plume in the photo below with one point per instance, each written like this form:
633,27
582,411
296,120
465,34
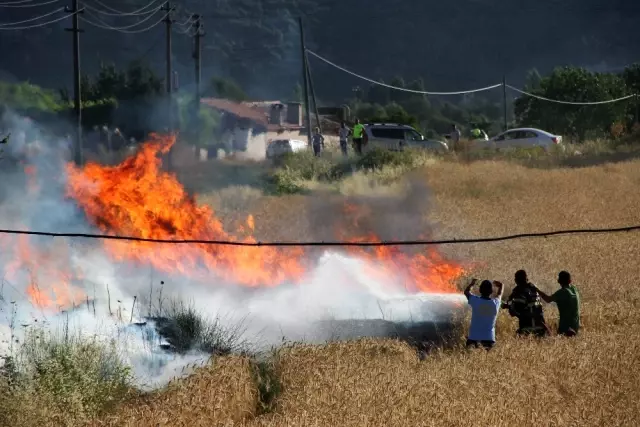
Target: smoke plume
84,286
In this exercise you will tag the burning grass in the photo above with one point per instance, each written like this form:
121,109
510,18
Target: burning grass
592,380
589,381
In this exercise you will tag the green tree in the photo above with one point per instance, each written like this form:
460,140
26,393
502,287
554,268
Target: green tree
226,88
574,85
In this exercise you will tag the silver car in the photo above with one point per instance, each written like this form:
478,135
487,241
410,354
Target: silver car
521,138
396,137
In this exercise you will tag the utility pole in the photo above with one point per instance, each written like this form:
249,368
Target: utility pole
305,81
169,75
197,56
77,100
313,93
504,101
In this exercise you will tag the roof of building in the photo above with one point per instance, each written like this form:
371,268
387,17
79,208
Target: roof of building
237,109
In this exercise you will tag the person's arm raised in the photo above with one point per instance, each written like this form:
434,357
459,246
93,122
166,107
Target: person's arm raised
500,288
467,291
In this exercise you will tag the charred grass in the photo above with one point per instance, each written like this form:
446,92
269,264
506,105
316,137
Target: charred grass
592,380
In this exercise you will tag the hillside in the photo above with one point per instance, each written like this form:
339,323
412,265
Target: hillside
451,45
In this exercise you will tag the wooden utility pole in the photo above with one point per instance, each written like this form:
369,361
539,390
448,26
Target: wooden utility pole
77,99
313,93
169,75
504,101
305,75
197,56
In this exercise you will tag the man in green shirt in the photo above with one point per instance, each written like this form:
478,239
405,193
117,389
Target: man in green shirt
567,299
358,133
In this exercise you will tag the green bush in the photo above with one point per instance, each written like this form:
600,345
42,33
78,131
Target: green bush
378,158
72,379
286,181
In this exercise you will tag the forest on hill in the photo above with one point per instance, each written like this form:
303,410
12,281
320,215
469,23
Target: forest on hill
449,45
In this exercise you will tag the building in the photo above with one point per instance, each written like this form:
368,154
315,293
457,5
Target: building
246,127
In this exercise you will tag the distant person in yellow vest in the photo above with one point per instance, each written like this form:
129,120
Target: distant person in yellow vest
477,133
358,134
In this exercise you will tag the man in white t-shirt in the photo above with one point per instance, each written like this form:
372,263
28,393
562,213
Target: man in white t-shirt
343,133
484,313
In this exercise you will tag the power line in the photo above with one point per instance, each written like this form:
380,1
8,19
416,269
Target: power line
557,101
124,29
8,3
334,243
102,12
28,27
6,24
116,12
18,4
462,92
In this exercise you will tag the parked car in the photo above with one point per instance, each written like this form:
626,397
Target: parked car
396,137
521,138
279,147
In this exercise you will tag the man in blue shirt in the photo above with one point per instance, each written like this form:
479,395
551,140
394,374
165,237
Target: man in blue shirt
484,313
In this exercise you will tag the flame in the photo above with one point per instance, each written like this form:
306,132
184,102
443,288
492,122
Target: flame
50,273
427,271
138,199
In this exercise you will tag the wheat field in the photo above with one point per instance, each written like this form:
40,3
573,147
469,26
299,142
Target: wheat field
592,380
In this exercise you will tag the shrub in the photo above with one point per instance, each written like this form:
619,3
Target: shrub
379,158
286,181
62,381
186,329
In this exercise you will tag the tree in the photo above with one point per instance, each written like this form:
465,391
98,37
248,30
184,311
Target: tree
574,85
533,80
226,88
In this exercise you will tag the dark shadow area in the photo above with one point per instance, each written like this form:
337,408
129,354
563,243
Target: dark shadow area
423,336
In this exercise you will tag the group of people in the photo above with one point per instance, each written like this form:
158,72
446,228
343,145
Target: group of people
357,134
524,303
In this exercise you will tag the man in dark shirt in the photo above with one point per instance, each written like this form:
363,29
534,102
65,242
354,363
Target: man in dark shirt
525,304
317,141
568,300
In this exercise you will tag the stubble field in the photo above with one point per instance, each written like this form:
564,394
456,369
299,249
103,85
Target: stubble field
592,380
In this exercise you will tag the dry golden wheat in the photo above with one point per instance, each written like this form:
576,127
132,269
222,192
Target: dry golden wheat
592,380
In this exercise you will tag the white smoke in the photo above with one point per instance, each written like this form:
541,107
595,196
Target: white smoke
338,288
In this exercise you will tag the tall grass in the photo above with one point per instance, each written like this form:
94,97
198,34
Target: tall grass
55,379
187,329
295,172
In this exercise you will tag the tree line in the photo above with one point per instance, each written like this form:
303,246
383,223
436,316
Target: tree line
434,117
132,100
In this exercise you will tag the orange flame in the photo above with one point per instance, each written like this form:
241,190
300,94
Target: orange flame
426,271
136,198
49,271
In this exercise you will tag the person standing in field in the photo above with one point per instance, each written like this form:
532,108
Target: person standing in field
525,304
454,137
567,299
317,140
343,134
358,134
484,313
